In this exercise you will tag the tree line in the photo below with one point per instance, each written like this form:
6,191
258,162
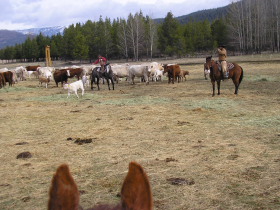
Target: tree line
250,26
254,25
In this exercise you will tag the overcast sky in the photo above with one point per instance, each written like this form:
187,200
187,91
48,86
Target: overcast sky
25,14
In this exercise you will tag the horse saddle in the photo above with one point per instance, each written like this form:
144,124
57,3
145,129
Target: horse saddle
103,69
229,65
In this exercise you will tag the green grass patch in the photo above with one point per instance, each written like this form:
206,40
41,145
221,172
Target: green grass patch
215,103
260,78
272,121
15,89
63,98
139,100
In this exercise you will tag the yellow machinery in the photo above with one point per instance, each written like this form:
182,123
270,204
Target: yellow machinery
48,56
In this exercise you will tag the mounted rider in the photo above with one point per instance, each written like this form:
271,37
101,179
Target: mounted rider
222,53
103,62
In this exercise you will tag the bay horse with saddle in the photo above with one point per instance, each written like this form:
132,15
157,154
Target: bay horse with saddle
235,72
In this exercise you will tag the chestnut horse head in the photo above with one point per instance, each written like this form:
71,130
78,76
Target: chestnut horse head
136,192
216,74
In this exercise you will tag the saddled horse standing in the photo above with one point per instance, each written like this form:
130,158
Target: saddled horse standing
98,74
216,74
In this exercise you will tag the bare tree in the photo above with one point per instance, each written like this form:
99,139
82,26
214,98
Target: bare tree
152,32
255,24
123,34
136,33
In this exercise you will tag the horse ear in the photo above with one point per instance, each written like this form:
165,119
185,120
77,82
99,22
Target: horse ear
136,191
64,194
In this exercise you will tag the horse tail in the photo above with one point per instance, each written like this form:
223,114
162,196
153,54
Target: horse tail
241,76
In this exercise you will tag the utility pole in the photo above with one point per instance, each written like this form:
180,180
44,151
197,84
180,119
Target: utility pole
48,56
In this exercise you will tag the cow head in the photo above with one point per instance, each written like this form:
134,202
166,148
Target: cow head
68,72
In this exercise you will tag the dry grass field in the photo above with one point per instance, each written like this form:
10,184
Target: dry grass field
225,150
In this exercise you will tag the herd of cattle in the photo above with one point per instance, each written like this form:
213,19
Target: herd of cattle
153,71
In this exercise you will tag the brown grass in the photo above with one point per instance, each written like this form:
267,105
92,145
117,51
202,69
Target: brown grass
227,145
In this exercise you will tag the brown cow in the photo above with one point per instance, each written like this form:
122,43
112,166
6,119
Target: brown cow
60,75
135,193
8,77
78,72
32,68
173,72
2,80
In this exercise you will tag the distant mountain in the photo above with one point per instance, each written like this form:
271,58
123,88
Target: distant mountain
208,14
11,38
47,31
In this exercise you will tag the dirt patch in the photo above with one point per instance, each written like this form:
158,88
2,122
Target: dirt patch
24,155
180,181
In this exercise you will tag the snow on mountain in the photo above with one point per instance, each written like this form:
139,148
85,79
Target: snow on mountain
47,31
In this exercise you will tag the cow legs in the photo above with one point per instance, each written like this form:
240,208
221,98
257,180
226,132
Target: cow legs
146,79
76,94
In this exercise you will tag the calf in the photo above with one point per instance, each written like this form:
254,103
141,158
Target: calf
183,74
74,87
85,80
173,72
43,79
158,76
135,193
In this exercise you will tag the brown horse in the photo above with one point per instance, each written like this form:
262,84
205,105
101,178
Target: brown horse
136,192
216,75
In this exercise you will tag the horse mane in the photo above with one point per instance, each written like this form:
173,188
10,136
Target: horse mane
209,58
135,193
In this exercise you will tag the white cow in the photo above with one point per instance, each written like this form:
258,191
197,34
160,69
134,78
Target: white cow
158,76
120,70
141,71
4,69
85,80
88,69
21,73
74,87
46,72
153,67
